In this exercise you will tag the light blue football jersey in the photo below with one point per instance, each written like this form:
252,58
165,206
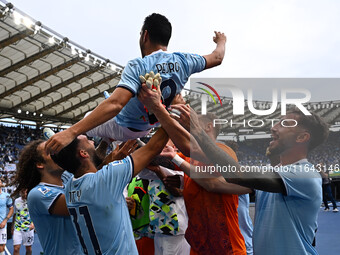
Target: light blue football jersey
5,202
174,68
286,224
99,211
56,233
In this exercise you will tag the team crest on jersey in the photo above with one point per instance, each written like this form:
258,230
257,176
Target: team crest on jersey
44,190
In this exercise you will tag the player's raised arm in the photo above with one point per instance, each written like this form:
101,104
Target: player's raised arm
216,57
211,184
270,181
143,156
181,138
108,109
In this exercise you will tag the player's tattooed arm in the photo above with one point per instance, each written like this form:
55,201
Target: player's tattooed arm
270,181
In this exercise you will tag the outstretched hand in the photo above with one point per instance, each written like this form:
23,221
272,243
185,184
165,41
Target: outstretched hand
125,150
219,38
120,152
58,141
188,117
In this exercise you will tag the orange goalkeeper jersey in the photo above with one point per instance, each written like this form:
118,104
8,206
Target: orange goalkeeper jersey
213,219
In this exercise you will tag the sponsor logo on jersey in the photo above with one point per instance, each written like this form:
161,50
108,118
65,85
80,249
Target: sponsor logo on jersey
44,190
117,162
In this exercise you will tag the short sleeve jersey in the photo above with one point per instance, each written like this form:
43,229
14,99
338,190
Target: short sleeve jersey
174,68
99,211
22,216
5,202
282,225
56,233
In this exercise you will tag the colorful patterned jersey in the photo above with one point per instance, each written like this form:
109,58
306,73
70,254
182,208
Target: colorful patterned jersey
22,216
168,215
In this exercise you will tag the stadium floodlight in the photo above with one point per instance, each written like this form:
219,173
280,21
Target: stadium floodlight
34,113
19,110
41,114
17,17
27,22
73,50
51,40
113,67
27,112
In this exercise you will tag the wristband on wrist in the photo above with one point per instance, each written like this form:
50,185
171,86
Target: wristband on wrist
177,160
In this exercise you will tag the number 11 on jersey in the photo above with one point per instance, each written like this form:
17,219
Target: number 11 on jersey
84,211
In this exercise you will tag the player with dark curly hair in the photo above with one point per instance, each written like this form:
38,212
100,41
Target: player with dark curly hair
44,181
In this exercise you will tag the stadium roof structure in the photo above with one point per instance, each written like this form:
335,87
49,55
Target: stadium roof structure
45,77
249,124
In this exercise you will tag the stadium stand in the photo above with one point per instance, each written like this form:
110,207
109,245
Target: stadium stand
44,76
252,152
